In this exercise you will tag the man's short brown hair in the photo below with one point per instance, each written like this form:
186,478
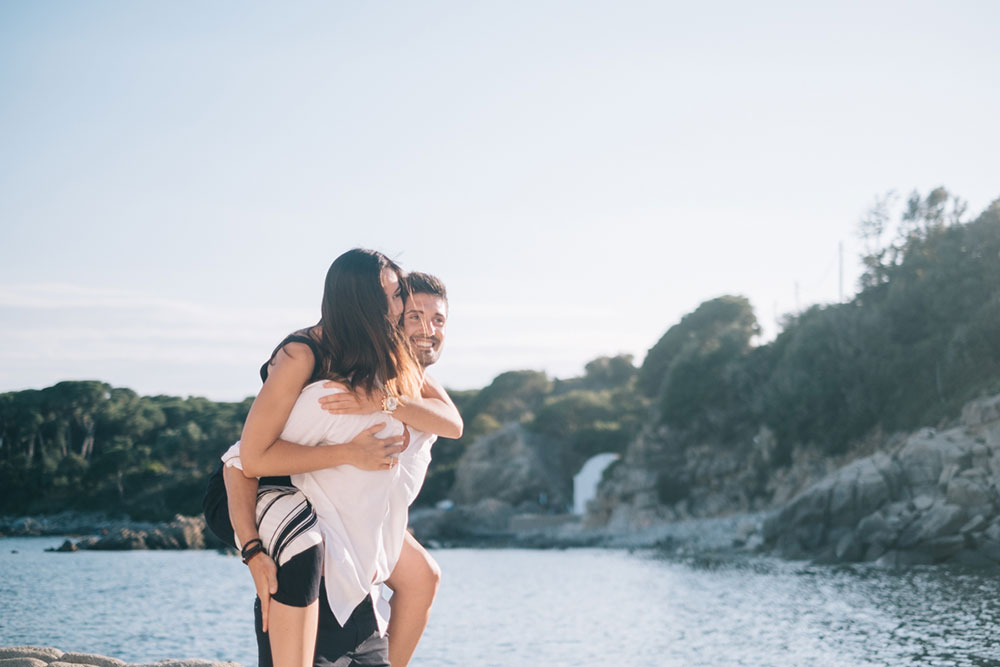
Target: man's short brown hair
425,283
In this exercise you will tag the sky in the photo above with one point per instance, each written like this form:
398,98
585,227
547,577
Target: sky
176,177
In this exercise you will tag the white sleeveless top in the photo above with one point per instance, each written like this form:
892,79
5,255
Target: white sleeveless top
362,514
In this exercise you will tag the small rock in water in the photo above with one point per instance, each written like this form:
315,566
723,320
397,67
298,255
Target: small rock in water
66,546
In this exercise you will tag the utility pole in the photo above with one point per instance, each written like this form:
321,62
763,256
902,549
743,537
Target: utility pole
840,277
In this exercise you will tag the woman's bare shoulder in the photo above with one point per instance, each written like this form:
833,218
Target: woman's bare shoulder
296,353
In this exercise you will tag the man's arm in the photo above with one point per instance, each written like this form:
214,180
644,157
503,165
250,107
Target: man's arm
241,494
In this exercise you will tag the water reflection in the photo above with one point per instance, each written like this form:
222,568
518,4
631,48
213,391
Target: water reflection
597,607
518,607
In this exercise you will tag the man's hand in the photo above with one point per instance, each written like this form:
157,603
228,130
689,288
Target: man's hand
265,579
371,453
348,402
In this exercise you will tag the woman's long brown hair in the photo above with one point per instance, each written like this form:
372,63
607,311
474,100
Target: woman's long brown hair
362,346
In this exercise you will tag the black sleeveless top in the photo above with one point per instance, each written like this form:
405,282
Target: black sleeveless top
215,504
317,373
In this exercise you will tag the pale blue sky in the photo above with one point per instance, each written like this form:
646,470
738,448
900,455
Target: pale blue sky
176,177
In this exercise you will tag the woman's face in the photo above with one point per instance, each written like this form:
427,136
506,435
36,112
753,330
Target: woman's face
393,293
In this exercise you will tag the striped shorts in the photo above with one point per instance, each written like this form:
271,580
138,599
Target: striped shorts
288,528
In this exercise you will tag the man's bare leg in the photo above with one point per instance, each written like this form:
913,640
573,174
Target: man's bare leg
414,583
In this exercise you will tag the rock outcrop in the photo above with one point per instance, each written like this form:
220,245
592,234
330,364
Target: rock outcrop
182,533
508,483
513,466
924,497
663,476
931,498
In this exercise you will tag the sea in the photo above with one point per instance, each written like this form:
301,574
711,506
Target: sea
528,607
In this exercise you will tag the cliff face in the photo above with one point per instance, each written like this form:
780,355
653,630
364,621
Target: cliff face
932,497
922,497
663,476
515,466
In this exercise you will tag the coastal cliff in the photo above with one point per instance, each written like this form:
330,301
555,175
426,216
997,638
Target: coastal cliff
928,497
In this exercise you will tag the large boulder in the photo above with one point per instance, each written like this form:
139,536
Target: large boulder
182,533
123,539
515,466
924,457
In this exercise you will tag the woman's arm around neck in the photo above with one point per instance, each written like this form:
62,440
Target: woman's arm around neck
433,412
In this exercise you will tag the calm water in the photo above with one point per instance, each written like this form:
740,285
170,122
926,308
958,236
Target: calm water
514,607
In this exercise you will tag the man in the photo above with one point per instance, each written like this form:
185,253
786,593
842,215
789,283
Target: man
416,576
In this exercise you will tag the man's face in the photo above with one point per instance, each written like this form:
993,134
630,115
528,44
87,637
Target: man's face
424,319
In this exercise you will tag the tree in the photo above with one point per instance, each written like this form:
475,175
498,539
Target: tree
703,324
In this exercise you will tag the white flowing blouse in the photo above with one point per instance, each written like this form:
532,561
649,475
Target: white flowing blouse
362,514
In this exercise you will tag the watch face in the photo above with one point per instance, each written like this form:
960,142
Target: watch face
391,403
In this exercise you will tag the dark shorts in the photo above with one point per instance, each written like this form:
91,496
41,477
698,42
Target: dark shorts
299,584
355,643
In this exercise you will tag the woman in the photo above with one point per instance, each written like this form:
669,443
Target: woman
358,343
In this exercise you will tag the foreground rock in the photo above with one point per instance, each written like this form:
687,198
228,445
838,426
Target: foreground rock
40,656
931,498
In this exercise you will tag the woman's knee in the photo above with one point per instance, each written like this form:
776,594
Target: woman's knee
433,572
416,573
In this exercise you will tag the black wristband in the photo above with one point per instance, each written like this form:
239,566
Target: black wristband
251,549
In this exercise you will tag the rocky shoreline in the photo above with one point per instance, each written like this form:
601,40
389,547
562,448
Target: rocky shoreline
43,656
488,524
931,496
99,532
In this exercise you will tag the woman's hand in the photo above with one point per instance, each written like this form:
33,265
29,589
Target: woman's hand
371,453
265,579
348,402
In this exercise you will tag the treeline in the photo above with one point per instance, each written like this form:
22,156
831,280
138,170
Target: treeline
920,338
90,446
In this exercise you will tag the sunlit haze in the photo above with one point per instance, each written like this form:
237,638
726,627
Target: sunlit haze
176,177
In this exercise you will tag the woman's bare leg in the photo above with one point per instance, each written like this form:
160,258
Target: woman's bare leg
414,583
292,633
